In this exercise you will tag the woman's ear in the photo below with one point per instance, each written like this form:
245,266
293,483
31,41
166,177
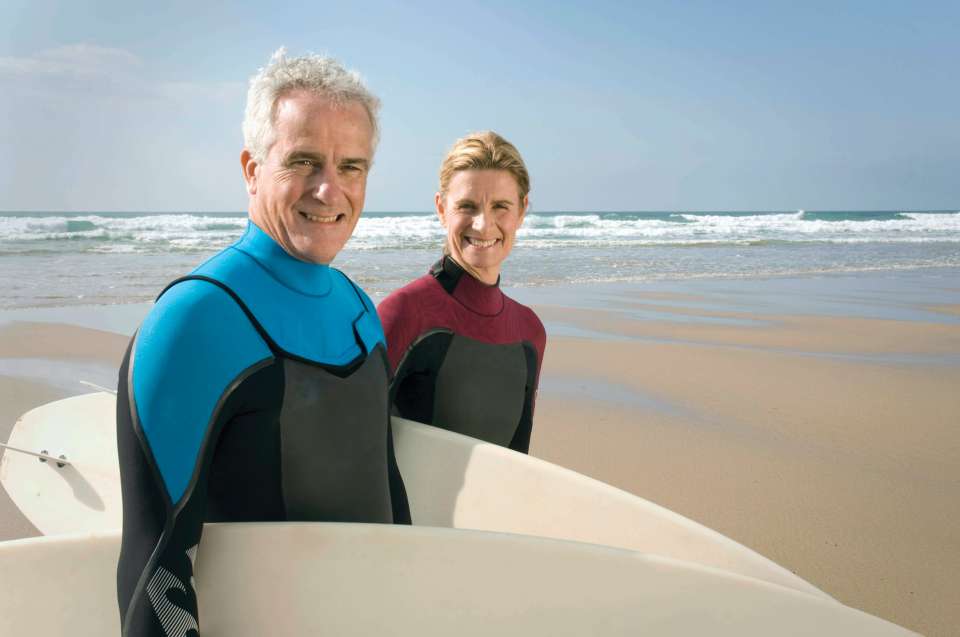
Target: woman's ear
441,210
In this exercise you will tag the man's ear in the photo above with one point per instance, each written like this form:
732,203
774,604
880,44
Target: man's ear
250,166
441,211
524,208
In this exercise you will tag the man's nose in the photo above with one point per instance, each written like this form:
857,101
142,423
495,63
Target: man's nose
327,187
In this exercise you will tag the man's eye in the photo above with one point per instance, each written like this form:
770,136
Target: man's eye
302,166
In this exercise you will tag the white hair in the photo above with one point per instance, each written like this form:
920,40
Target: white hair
323,75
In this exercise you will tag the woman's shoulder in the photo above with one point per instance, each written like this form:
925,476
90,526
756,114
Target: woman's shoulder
407,306
409,293
403,314
527,317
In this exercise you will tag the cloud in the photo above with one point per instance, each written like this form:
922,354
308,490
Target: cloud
90,71
75,60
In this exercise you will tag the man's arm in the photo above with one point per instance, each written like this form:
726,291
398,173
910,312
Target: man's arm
188,353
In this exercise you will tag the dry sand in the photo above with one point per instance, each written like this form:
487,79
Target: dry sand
830,445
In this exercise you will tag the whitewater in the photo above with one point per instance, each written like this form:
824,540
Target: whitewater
52,259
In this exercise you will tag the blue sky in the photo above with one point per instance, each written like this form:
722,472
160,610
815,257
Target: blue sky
658,106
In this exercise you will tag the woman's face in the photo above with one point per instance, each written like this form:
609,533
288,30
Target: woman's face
481,212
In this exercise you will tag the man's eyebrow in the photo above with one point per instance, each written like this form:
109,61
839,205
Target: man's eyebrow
355,161
506,202
465,201
305,154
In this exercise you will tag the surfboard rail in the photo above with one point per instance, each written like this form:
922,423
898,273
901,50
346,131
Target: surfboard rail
369,579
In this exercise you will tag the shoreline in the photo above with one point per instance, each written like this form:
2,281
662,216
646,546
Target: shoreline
824,439
755,291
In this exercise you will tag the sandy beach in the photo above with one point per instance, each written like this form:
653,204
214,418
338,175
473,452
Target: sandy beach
827,442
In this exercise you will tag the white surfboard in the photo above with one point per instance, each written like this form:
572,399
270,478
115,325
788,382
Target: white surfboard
83,495
451,481
356,579
460,482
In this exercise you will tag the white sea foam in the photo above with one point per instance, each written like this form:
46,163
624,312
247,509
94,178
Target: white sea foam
191,232
97,233
110,258
707,229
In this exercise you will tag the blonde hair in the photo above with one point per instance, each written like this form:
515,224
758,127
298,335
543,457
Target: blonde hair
484,150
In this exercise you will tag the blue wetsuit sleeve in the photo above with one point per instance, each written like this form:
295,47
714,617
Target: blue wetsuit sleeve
183,362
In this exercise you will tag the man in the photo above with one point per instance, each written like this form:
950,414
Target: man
256,389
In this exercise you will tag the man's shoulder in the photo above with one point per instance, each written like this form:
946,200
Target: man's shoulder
195,316
190,302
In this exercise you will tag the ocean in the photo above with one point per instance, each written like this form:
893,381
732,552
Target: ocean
53,259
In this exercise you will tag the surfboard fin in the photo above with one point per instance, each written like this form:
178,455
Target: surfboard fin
43,456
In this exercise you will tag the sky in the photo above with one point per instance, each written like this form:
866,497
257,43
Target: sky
136,106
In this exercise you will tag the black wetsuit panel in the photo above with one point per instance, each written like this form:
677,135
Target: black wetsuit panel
333,440
480,389
466,356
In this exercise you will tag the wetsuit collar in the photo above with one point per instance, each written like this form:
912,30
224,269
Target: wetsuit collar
475,295
312,279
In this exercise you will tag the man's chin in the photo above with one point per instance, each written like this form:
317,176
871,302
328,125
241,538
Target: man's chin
313,251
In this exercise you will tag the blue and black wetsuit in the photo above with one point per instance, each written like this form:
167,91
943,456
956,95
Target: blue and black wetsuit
255,390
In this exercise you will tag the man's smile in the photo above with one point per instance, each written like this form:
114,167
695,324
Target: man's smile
321,218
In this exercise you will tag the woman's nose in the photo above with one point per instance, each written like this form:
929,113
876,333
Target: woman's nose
481,220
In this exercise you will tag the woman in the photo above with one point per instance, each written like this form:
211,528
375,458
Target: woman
465,356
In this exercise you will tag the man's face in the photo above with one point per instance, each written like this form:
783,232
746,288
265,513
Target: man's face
308,193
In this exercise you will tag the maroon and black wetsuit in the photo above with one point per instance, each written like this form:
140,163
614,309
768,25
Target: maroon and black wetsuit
465,356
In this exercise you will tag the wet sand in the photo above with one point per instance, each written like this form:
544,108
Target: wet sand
826,442
829,445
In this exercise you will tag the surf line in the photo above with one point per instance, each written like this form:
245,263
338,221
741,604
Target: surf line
43,455
96,386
